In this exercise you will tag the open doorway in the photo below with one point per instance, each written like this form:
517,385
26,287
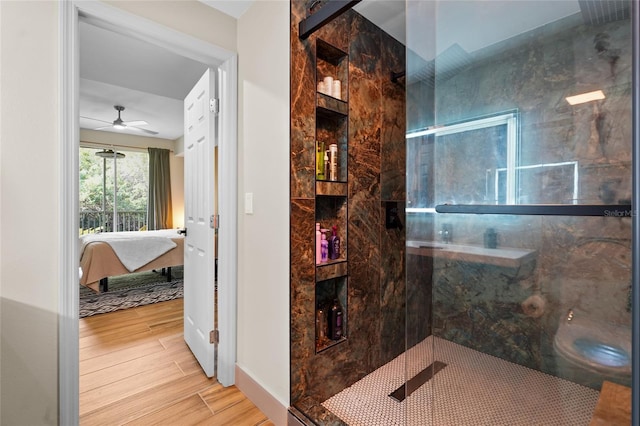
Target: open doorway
226,62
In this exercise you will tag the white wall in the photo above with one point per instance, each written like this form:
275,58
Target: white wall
189,17
263,237
30,217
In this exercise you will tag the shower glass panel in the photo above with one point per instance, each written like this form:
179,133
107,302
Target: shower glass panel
519,318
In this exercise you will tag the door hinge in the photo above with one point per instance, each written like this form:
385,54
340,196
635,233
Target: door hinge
214,221
214,337
214,105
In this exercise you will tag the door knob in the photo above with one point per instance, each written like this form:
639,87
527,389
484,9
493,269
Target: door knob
182,231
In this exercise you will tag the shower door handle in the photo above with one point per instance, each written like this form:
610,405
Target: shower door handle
607,210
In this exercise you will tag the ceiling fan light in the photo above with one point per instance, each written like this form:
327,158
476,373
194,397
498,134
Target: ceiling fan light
108,153
119,126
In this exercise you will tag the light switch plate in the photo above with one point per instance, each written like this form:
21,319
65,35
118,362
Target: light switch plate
248,202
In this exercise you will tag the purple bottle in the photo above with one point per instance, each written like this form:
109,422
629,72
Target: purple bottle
334,244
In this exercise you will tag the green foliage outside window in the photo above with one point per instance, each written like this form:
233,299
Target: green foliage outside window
133,175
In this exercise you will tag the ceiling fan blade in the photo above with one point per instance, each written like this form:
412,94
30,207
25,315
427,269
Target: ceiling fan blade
151,132
118,124
96,119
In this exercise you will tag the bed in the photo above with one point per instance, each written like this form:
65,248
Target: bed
109,254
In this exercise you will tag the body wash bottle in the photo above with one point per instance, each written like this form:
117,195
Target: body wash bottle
324,247
335,321
318,244
321,324
326,164
333,162
334,244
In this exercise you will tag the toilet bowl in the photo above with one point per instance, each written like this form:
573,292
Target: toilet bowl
600,348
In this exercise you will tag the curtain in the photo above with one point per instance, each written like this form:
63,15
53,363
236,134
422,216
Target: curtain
159,211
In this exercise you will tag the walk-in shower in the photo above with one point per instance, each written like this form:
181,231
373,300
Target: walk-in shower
500,135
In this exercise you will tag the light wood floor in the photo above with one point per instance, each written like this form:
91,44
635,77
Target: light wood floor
135,369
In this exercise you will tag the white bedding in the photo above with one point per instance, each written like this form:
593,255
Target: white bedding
134,248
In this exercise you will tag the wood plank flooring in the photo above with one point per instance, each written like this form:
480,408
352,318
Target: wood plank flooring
135,369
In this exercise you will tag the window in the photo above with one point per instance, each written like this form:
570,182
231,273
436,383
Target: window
99,208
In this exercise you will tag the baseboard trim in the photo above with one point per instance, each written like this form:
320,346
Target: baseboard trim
266,402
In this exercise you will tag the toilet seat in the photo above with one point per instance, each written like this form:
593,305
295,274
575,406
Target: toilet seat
602,348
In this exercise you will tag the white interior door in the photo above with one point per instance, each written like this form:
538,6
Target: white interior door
199,196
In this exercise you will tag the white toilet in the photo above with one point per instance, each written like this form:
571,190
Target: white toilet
589,351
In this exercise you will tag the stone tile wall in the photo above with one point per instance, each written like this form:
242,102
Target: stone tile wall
376,158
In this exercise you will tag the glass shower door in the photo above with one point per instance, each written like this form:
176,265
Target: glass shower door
518,209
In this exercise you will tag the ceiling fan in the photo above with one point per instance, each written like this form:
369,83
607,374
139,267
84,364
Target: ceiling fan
119,124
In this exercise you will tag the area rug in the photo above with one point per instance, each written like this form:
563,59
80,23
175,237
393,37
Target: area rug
129,291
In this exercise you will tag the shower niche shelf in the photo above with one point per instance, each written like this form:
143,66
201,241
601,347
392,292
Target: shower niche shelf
326,344
333,62
327,188
331,269
330,107
326,292
332,211
331,192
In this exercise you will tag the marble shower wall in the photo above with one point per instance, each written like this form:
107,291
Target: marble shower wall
581,263
376,164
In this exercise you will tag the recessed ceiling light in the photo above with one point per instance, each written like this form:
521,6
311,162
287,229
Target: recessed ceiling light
585,97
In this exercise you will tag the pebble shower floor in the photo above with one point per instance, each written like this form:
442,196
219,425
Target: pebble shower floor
473,389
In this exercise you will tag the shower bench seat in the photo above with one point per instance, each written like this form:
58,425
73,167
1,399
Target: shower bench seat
504,256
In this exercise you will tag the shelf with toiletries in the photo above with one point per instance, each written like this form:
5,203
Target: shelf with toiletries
331,191
332,111
331,313
330,251
332,71
331,234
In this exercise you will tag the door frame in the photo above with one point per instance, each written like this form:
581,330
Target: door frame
69,135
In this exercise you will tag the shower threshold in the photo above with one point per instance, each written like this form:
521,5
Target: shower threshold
474,389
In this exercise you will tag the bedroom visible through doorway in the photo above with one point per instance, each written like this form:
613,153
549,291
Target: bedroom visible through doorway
114,192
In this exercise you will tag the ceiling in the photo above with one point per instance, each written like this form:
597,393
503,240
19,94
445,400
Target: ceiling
151,82
148,81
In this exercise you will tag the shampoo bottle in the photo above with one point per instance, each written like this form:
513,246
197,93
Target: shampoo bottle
334,244
333,162
326,164
320,161
318,244
321,324
335,321
490,238
324,247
